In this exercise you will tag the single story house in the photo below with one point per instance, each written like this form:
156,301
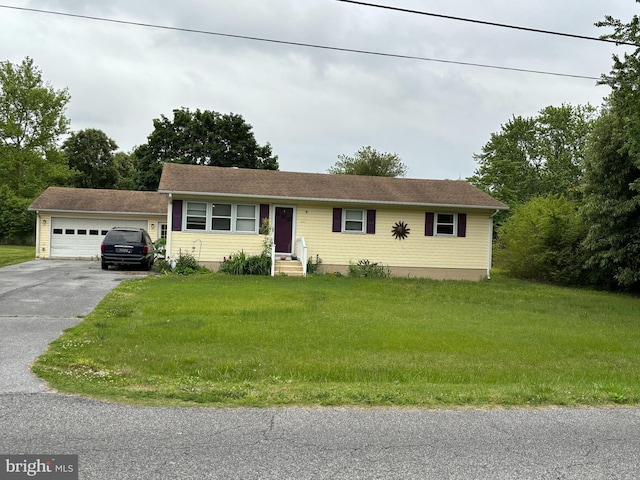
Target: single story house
71,222
420,228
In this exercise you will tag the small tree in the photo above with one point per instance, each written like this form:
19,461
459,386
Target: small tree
541,241
368,161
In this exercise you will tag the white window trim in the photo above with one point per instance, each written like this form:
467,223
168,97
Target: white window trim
344,220
234,218
436,223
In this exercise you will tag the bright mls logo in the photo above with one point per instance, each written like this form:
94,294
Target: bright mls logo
49,467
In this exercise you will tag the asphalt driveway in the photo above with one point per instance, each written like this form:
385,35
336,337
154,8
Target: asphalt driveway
38,300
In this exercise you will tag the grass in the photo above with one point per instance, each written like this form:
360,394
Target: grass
13,254
257,341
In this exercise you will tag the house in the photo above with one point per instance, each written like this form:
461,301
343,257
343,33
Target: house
71,222
420,228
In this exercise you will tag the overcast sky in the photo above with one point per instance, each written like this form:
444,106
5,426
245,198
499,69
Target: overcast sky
310,104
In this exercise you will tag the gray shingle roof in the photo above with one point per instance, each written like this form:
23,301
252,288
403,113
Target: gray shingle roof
277,185
100,201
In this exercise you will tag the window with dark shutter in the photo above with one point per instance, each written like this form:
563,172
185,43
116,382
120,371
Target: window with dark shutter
176,216
337,220
428,224
371,222
264,214
462,224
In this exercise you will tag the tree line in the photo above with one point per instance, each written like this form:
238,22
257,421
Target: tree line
571,176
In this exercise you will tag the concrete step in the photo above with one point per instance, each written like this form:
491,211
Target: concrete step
291,268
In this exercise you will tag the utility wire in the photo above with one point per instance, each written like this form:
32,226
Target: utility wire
492,24
298,44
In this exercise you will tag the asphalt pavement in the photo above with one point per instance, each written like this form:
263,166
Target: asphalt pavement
39,299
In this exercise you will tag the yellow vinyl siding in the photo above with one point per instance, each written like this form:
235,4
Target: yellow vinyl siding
214,247
45,236
417,250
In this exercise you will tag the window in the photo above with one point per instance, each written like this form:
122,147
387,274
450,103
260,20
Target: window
221,217
196,216
353,221
69,231
445,224
93,232
82,231
57,231
163,230
245,218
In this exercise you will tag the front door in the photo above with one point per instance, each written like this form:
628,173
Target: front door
284,230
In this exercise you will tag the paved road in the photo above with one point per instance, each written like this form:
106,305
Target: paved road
123,442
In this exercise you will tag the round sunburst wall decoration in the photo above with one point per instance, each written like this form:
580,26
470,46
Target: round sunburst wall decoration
400,230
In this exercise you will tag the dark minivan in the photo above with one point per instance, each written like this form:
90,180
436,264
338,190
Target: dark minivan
127,246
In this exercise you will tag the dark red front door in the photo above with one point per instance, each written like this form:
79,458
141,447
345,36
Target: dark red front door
284,229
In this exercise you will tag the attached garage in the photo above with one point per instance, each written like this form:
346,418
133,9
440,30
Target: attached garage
71,222
81,237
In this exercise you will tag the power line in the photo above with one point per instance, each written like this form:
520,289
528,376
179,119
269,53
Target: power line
299,44
492,24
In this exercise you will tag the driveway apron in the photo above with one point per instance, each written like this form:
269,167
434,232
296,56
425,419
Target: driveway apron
38,300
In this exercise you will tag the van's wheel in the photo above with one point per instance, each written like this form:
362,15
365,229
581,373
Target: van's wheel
105,266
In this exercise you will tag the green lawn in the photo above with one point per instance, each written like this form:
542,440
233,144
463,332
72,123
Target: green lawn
12,254
222,340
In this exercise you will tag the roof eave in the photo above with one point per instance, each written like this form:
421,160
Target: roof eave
102,212
336,200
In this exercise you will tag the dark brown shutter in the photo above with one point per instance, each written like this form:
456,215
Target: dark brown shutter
428,224
462,224
264,214
337,220
176,216
371,222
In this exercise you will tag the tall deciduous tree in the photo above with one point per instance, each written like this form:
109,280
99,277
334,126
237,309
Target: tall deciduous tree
200,138
611,205
32,120
90,153
368,161
536,156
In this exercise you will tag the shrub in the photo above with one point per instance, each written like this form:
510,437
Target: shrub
366,269
240,264
186,264
541,241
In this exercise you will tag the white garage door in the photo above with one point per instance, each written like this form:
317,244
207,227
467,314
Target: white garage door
81,237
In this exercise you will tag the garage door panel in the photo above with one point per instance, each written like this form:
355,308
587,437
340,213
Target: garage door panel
81,237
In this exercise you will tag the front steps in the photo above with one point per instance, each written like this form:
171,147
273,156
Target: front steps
291,268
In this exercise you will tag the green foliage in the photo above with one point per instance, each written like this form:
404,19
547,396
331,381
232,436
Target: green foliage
186,264
91,157
31,122
541,241
536,156
368,161
16,222
612,206
366,269
200,138
241,264
311,267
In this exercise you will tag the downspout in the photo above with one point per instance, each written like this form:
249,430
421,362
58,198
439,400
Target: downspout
38,220
490,256
169,226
